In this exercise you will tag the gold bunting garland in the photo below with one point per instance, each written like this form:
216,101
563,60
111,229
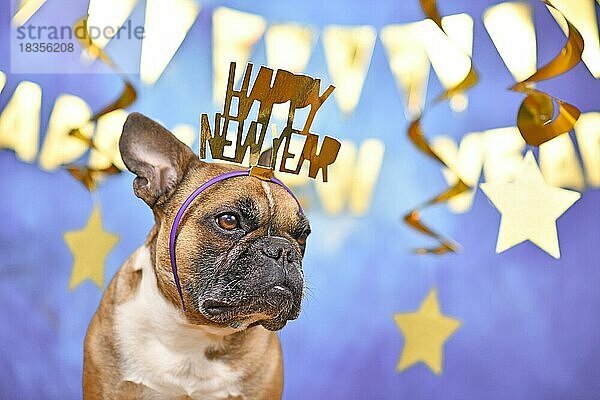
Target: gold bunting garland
417,137
89,177
534,118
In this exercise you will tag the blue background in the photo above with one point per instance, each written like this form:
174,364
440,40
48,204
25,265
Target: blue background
530,323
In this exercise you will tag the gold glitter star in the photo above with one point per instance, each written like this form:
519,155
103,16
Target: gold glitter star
529,208
89,247
425,332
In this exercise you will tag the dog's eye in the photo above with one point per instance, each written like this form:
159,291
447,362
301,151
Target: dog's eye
228,221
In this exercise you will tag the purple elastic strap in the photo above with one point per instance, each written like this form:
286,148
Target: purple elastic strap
186,204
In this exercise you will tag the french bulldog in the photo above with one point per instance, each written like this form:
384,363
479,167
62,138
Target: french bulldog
239,258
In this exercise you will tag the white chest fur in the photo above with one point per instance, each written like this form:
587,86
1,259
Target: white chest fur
164,353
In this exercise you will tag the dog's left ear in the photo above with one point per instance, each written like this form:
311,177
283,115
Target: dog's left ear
155,155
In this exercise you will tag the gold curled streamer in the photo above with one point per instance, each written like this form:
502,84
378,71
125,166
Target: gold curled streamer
417,137
90,177
430,10
535,116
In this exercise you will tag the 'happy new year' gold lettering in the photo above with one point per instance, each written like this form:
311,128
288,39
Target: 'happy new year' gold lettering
300,91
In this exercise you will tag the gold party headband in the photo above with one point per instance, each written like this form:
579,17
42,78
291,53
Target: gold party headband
300,91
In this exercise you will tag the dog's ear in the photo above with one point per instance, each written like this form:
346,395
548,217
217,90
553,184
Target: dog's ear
265,157
155,155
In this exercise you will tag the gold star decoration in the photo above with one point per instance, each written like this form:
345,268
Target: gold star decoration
425,333
89,247
529,208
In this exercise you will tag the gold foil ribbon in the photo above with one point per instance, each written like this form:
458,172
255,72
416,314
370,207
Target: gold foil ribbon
417,137
90,177
430,10
535,117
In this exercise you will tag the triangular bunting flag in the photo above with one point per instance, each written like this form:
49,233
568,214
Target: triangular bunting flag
463,161
459,28
20,120
450,52
559,163
106,141
408,62
289,47
582,15
26,10
516,45
348,53
59,147
234,35
355,175
167,24
588,138
108,13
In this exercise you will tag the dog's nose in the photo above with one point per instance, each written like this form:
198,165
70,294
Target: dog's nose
274,252
279,249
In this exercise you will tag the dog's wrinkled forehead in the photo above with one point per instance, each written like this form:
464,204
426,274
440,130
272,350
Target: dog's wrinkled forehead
257,201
